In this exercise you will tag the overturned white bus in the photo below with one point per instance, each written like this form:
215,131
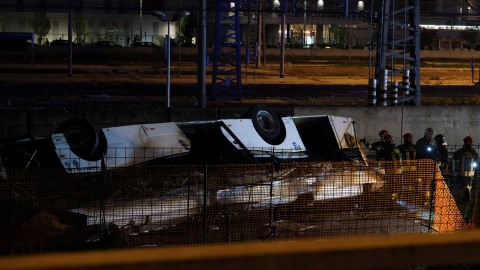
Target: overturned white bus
260,136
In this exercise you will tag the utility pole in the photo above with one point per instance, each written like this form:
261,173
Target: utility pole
141,12
282,39
202,54
70,48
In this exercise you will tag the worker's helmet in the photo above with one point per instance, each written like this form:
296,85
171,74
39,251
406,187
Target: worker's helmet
388,138
439,137
408,137
468,141
429,131
383,133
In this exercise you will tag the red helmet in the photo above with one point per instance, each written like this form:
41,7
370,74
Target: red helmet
383,133
408,137
468,141
388,138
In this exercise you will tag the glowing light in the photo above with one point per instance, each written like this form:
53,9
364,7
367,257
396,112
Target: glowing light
320,4
360,6
276,4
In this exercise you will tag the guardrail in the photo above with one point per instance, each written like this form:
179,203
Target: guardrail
457,251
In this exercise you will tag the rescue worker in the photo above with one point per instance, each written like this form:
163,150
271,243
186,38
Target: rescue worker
408,150
391,152
378,147
426,148
466,159
442,153
392,168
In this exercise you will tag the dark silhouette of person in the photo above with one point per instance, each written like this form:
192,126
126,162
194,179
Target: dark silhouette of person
442,153
466,160
408,150
426,148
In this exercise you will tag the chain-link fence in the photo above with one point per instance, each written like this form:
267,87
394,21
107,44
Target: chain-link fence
46,210
455,184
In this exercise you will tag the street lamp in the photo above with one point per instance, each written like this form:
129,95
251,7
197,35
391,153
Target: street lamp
169,17
360,6
320,4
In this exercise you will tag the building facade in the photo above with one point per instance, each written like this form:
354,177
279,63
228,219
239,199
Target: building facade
310,23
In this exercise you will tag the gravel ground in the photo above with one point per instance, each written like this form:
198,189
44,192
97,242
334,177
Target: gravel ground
355,74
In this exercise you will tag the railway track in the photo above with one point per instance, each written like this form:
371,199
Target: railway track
32,89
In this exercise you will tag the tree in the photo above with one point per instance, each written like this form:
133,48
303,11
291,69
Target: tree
188,27
80,27
470,35
41,25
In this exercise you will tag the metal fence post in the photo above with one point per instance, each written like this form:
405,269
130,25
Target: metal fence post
205,202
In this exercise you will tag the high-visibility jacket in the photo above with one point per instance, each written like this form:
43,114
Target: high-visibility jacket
465,159
408,151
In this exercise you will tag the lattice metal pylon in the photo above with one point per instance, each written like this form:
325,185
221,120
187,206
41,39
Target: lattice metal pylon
226,77
399,51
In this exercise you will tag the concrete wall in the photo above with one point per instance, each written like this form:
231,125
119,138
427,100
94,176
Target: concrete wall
454,122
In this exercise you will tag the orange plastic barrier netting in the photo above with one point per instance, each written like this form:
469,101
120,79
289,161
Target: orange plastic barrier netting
46,210
447,215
